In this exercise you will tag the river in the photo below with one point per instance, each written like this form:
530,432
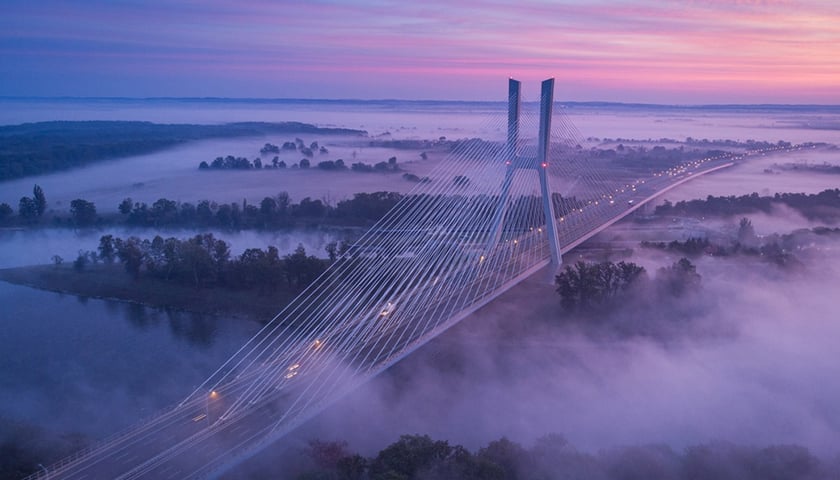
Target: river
93,367
73,365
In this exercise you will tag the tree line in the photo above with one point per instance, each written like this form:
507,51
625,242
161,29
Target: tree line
552,457
775,248
272,212
823,206
276,211
280,212
241,163
206,261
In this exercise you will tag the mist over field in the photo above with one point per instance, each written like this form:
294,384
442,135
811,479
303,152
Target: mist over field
232,236
749,360
173,173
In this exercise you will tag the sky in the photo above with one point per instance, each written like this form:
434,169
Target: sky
684,52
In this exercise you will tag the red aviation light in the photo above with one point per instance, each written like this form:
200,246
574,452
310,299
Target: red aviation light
544,164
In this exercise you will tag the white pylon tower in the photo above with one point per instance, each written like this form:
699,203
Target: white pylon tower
539,163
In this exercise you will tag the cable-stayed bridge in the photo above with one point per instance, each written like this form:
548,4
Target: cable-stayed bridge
494,213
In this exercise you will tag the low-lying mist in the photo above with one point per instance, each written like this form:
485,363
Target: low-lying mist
750,358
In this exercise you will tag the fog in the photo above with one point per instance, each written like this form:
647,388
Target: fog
174,174
37,246
750,176
770,125
749,359
432,119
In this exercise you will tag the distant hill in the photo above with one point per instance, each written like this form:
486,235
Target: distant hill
44,147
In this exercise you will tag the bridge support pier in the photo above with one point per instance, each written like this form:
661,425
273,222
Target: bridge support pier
539,163
546,108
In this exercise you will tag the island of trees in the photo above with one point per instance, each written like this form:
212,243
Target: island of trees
205,261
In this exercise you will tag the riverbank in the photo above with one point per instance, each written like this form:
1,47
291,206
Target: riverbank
111,282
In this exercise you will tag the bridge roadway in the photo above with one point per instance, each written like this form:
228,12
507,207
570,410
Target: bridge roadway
193,440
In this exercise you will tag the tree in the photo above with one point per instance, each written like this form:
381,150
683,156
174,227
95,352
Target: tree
27,209
40,200
269,148
283,203
746,232
195,261
83,212
406,457
679,278
57,260
80,262
220,252
587,286
304,163
224,215
204,212
311,208
301,269
164,211
5,212
268,207
332,250
130,254
126,206
507,455
107,248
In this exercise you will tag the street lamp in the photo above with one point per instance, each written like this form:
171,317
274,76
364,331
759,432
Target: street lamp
212,396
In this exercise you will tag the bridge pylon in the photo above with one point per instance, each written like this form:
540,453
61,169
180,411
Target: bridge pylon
539,163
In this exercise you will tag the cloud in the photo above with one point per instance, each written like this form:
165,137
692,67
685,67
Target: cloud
722,49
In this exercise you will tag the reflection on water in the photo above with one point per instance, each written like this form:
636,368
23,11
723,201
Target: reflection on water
77,364
73,364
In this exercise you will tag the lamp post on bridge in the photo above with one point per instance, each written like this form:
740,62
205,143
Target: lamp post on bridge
213,395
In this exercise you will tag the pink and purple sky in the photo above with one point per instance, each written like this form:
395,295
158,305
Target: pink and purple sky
685,52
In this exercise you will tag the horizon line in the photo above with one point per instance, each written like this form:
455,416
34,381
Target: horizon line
416,101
